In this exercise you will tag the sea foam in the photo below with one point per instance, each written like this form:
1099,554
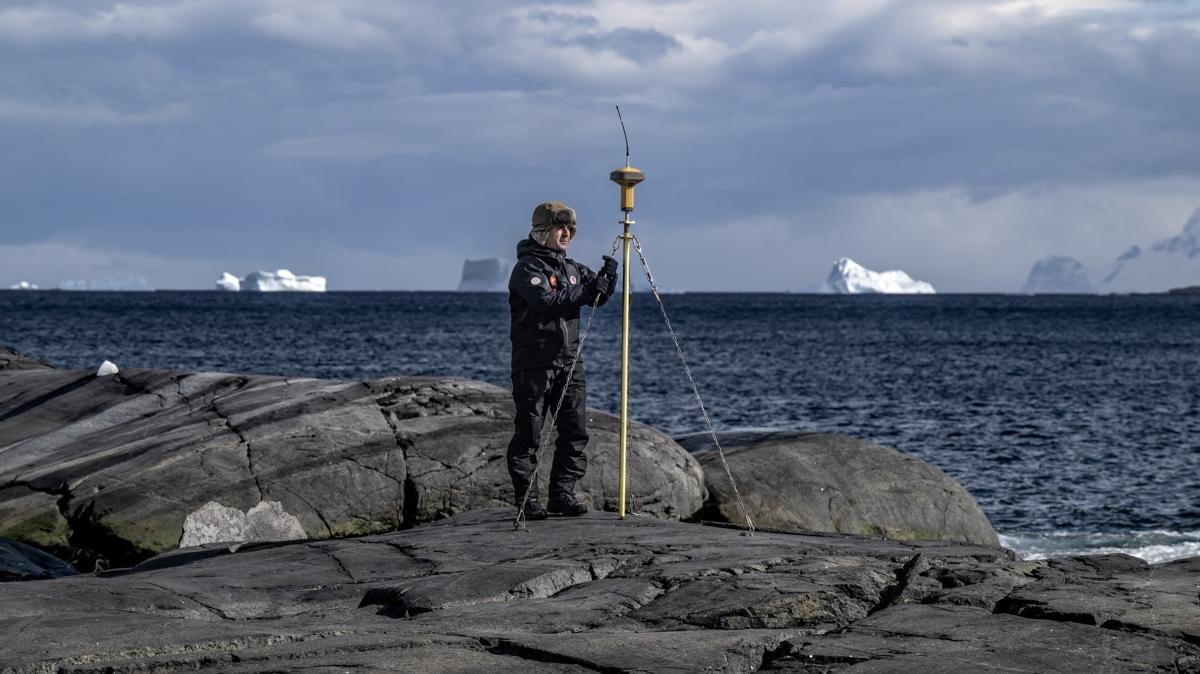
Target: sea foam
1155,546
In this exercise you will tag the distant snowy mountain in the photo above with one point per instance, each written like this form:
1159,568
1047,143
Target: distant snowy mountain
272,281
1058,274
1169,263
487,275
23,285
850,278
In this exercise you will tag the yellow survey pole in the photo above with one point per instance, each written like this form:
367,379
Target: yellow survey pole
624,368
625,177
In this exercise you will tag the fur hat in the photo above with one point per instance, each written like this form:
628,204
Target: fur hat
553,214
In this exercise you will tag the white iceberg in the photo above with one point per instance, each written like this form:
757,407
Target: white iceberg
23,285
281,281
229,282
487,275
850,278
122,283
107,368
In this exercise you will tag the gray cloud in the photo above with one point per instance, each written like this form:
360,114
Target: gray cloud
272,129
637,45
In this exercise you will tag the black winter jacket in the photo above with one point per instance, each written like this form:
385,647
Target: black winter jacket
545,293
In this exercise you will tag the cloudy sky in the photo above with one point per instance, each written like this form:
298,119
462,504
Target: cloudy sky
381,143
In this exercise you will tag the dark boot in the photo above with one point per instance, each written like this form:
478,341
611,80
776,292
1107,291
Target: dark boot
534,510
565,503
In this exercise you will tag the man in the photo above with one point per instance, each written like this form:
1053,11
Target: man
545,294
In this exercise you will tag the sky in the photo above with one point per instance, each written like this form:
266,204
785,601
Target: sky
382,143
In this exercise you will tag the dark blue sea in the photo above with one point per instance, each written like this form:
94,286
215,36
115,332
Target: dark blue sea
1074,420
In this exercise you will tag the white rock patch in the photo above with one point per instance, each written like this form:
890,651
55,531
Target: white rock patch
215,523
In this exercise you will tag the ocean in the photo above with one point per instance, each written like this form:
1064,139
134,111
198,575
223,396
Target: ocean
1073,420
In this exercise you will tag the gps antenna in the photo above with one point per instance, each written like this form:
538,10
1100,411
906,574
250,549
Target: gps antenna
627,177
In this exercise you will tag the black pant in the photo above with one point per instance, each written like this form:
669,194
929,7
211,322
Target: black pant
536,393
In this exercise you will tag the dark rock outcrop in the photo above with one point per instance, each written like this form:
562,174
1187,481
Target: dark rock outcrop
594,594
104,470
925,638
25,562
13,360
1118,592
817,482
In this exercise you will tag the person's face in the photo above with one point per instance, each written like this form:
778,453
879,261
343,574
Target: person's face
559,239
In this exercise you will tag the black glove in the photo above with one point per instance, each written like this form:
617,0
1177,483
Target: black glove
611,285
610,267
603,285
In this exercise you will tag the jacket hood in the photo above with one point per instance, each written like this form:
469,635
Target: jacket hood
528,246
